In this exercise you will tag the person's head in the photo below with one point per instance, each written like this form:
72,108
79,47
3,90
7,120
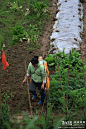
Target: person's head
36,57
34,61
40,58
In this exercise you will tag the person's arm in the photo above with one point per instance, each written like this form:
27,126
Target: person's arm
24,81
27,75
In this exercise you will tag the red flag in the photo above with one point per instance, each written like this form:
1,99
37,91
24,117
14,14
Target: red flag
4,62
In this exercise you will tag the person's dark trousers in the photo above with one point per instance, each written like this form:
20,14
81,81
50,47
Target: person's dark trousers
33,86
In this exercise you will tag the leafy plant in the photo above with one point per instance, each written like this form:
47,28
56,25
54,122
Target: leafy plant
19,33
37,7
50,60
33,35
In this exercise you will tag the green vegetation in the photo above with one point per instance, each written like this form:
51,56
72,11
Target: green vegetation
21,21
17,17
5,115
45,121
37,122
19,33
76,86
37,8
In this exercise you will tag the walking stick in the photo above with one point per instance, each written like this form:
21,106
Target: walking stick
62,88
28,92
44,101
68,76
47,95
50,106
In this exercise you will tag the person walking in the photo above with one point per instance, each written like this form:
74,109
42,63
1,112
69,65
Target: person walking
38,74
40,58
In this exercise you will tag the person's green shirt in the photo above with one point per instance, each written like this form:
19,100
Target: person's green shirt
38,73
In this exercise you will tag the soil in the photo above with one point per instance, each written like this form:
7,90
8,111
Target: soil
11,78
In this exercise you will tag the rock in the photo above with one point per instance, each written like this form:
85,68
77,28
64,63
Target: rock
57,10
52,45
50,52
79,26
75,39
54,48
79,5
54,19
79,13
80,19
57,30
79,9
59,4
52,40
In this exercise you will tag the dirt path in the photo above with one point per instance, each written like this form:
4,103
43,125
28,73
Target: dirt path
83,35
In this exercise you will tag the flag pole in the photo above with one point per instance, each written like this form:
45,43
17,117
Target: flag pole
28,92
68,76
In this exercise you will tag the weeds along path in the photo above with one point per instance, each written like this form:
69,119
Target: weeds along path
11,79
83,35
